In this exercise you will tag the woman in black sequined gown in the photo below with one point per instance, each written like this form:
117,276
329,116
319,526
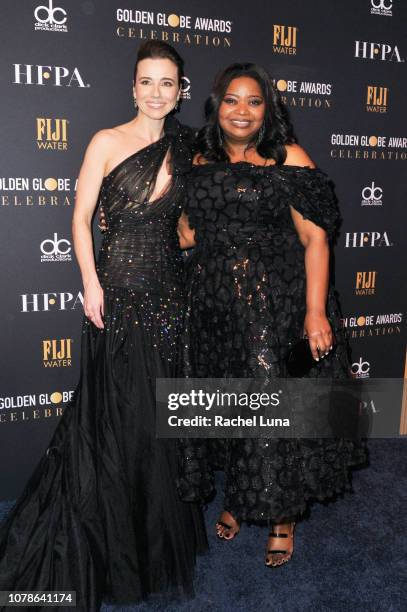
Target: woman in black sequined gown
262,215
101,514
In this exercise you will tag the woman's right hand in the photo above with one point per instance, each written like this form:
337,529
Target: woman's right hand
93,303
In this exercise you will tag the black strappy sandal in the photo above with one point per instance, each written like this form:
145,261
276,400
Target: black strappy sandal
230,528
276,551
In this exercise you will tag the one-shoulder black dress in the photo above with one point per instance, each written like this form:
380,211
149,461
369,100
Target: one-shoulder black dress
245,306
101,514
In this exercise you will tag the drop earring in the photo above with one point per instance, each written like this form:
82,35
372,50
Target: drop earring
135,102
220,136
260,134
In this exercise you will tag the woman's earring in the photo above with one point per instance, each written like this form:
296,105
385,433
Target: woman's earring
135,102
261,133
220,136
176,107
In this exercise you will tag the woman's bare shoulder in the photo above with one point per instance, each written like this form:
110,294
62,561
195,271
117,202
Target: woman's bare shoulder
108,140
108,135
297,156
104,139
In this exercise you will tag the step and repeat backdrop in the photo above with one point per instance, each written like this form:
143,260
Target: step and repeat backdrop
66,72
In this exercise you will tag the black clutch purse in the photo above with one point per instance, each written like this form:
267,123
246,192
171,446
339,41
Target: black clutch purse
299,359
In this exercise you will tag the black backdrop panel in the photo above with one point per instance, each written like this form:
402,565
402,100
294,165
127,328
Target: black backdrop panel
66,72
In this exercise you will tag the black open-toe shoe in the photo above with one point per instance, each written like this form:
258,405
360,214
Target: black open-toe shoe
281,555
224,530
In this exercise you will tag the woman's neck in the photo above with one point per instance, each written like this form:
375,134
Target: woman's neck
148,129
238,151
242,152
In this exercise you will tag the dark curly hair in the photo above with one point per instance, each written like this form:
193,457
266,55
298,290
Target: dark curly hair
275,132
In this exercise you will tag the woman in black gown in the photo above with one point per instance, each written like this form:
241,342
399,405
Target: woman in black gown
261,215
101,514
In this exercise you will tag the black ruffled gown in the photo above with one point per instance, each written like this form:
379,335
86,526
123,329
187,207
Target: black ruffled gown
101,513
245,305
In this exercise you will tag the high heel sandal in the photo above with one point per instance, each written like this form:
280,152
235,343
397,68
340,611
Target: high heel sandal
279,551
233,530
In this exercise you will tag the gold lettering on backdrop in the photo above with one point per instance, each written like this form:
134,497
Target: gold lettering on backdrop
52,134
35,414
365,283
303,102
57,353
30,200
375,332
52,129
285,39
188,39
376,99
367,154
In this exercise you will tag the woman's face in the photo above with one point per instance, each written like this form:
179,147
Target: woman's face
156,87
242,110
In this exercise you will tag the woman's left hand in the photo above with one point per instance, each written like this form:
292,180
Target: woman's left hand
319,333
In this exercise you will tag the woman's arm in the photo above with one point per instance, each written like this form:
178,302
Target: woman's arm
316,324
89,181
186,235
315,242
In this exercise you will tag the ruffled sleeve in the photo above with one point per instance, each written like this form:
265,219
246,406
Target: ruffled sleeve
310,191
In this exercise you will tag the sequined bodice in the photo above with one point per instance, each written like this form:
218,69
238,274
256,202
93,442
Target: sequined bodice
140,250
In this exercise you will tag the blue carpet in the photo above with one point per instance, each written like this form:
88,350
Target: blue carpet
349,556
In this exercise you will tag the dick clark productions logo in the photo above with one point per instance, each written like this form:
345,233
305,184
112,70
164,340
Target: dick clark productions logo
54,249
50,18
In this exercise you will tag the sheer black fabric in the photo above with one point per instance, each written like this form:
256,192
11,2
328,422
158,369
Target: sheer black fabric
101,514
245,305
